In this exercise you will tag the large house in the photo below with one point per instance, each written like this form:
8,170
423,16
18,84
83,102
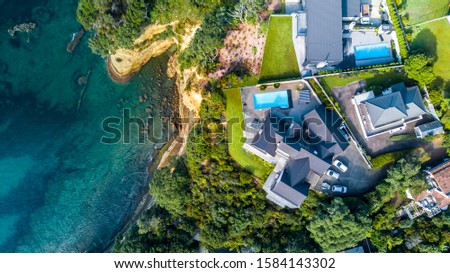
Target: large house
324,32
299,137
436,198
325,35
397,106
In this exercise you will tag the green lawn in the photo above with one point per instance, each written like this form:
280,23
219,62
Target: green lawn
434,38
279,61
382,79
423,10
250,162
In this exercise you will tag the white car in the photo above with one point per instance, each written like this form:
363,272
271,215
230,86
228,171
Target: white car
333,174
325,186
340,165
339,188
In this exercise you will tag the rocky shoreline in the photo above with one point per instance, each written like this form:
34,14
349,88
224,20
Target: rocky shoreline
182,106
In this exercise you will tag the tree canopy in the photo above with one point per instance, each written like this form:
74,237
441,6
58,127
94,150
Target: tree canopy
115,23
170,187
334,227
419,67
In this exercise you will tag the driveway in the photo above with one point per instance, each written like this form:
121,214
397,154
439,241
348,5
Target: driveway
358,179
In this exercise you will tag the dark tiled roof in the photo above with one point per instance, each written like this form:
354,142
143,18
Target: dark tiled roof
296,171
351,8
267,139
324,124
324,33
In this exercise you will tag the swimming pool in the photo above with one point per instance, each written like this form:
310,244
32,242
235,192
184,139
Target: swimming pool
271,99
375,51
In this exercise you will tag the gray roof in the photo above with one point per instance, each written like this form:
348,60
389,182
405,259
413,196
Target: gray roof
267,140
398,87
351,8
401,103
314,163
296,171
386,109
295,195
413,101
430,126
324,34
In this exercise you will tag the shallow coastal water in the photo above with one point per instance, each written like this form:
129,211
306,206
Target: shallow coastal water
61,189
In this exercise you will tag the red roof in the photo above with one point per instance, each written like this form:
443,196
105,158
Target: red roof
441,175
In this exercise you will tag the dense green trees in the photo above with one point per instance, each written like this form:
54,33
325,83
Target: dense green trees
404,174
419,67
335,227
115,23
170,187
203,50
159,231
246,11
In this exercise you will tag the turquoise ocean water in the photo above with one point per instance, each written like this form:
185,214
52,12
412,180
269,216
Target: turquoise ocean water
61,189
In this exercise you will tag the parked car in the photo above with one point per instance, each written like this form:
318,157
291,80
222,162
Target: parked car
340,165
344,131
325,186
333,174
339,188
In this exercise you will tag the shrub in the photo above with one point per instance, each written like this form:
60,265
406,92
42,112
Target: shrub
263,87
398,30
276,85
436,96
388,158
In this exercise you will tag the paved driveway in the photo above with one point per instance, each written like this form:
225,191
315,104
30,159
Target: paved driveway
358,179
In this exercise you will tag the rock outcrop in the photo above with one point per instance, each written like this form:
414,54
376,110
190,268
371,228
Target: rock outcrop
24,27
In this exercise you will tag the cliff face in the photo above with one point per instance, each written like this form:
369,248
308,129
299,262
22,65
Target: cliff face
125,63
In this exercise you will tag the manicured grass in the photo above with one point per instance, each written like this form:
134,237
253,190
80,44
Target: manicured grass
279,61
434,38
423,10
382,79
234,116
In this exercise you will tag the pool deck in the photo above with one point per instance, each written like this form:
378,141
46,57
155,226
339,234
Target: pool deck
298,108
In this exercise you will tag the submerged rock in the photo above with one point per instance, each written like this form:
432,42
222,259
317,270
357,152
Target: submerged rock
24,27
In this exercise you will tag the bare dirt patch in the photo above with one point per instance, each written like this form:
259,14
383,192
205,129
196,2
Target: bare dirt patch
243,49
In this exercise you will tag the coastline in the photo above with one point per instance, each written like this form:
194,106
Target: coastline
145,199
158,158
114,75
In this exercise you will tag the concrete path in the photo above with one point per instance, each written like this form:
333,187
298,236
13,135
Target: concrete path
429,21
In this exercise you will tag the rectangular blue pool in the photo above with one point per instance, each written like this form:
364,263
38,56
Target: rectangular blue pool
271,99
375,51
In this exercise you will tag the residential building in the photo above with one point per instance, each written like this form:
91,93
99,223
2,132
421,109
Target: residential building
328,34
324,32
391,111
429,129
297,134
436,198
